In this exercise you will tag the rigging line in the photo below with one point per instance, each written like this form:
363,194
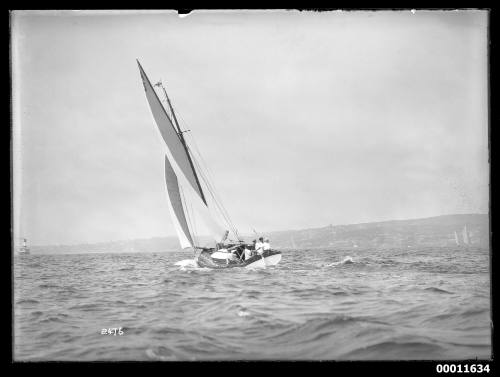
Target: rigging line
210,186
197,150
220,207
214,194
228,219
202,160
224,216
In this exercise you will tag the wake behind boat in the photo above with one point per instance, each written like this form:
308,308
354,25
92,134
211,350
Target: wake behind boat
192,198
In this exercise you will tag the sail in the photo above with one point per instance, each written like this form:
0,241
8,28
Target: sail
456,239
170,135
197,209
176,208
465,235
181,168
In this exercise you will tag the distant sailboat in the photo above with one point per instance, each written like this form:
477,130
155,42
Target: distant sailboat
456,239
465,236
187,198
24,249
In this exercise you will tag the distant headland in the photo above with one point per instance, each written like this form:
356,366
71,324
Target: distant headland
438,231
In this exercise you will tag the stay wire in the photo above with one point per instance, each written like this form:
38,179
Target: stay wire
205,173
209,185
218,204
213,191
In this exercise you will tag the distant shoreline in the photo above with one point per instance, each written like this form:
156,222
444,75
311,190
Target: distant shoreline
434,231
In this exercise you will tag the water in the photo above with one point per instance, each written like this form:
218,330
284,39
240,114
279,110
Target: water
315,305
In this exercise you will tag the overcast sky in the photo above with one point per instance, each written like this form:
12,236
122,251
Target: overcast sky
305,119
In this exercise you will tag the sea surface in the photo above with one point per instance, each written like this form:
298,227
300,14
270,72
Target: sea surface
393,304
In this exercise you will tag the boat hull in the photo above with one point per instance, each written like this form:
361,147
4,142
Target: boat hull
23,250
268,258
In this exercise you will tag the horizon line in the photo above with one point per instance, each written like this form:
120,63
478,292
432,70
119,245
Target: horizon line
265,232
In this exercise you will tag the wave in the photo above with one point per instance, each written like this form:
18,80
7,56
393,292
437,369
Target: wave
346,260
438,290
51,320
127,268
392,349
316,328
319,292
47,286
475,311
27,301
188,264
85,307
168,331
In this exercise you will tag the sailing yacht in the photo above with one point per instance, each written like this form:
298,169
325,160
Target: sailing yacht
191,197
24,249
456,239
465,236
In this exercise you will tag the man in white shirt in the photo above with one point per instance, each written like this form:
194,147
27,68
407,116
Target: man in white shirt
266,245
259,246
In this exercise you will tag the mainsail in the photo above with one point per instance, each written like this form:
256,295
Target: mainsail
170,135
185,193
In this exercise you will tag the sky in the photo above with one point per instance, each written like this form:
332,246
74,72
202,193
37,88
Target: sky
304,119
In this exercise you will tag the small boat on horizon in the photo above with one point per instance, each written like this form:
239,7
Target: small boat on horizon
466,236
466,240
24,249
192,198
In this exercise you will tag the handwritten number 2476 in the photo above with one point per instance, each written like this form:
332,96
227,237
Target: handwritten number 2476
112,331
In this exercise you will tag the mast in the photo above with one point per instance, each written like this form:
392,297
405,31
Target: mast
183,141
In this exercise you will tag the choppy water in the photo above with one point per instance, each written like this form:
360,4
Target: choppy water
329,304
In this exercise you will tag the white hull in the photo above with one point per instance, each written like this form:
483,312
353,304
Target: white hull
272,260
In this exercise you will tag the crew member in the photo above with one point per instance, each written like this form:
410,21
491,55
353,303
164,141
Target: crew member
266,245
259,246
248,252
